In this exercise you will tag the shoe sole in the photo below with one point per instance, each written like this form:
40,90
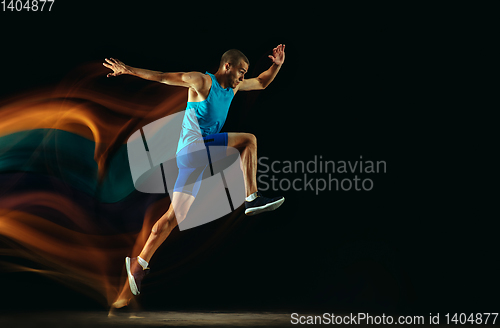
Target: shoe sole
264,208
131,280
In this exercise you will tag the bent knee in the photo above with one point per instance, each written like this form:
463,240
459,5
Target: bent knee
250,140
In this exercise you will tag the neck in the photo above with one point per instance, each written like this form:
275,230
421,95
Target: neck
221,79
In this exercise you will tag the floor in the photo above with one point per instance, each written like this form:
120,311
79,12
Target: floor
146,319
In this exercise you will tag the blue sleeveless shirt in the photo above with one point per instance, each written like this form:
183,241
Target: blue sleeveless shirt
207,116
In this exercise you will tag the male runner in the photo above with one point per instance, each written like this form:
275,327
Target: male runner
209,98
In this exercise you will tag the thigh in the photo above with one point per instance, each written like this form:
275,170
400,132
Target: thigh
239,140
216,145
189,180
181,203
196,155
193,155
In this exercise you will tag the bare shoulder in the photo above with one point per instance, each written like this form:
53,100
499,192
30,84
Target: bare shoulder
199,86
196,80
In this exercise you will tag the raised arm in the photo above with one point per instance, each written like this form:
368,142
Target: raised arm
266,77
189,80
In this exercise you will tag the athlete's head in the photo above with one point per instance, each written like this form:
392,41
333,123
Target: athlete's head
234,65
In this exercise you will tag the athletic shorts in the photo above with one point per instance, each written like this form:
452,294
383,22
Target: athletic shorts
192,161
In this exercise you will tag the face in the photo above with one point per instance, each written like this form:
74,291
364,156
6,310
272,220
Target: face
236,73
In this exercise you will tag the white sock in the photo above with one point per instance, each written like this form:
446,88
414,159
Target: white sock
251,197
142,262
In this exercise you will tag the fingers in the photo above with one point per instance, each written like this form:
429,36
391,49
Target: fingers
111,65
279,49
113,61
275,54
278,55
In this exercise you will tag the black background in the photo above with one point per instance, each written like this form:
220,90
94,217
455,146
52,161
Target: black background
408,85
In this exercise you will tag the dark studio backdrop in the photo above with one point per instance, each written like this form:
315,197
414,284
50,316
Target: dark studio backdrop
384,83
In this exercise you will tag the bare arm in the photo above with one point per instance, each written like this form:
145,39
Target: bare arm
266,77
189,80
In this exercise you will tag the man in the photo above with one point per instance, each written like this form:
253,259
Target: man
209,98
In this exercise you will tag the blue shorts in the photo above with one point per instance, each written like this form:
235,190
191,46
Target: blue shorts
192,161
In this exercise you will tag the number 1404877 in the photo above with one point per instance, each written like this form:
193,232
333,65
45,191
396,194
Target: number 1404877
27,5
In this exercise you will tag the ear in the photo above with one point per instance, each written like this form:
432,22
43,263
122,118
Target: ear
227,66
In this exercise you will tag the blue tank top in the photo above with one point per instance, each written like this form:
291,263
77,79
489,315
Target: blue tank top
207,116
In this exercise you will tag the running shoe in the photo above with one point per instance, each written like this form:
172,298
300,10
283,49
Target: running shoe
135,274
262,204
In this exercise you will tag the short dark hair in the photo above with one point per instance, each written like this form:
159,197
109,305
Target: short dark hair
233,57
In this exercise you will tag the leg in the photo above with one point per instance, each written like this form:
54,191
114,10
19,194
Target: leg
181,202
185,190
246,143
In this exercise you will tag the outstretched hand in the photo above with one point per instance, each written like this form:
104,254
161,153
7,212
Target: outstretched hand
278,56
117,66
